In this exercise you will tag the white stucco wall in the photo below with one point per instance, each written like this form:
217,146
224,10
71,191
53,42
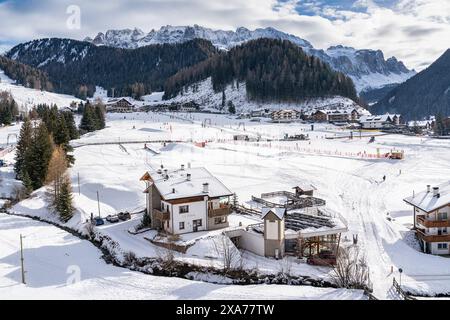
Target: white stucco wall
252,242
272,230
197,211
435,250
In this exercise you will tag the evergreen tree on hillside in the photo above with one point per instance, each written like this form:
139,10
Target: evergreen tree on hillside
71,126
27,183
23,147
64,203
39,157
100,117
61,135
62,138
88,121
231,107
8,108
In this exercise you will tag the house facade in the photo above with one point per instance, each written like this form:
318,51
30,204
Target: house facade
432,218
186,200
380,121
285,115
120,106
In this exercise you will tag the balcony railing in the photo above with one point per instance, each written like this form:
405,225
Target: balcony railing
162,216
432,238
433,224
224,210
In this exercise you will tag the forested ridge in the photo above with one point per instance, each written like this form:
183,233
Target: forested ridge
272,70
76,67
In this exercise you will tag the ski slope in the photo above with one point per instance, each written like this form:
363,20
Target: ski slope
352,186
26,98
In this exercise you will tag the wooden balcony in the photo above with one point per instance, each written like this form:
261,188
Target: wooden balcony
433,224
224,210
162,216
432,238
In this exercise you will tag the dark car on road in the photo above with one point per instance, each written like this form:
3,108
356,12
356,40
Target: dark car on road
124,216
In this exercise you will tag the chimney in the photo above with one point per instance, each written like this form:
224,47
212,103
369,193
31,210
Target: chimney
189,165
182,167
428,188
436,192
206,188
188,177
173,190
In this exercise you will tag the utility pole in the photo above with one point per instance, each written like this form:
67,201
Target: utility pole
21,259
98,203
79,187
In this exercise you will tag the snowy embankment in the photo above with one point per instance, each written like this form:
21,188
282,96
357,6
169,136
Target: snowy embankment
26,98
61,266
207,98
352,187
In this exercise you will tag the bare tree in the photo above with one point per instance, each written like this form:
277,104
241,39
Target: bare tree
227,251
351,270
285,267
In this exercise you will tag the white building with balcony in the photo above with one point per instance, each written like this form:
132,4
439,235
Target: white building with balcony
432,218
186,200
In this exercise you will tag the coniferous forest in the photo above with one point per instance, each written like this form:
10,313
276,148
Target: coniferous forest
272,70
80,66
25,75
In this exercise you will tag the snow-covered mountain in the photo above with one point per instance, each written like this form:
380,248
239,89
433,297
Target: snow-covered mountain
368,68
136,38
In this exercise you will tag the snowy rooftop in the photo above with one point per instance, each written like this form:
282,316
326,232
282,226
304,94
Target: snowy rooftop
178,186
378,118
279,212
428,201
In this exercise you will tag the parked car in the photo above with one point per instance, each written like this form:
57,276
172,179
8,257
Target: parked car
124,216
112,219
98,221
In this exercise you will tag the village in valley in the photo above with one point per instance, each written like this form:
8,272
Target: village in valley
225,156
281,197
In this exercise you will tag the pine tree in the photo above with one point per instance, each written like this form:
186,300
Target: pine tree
27,184
224,99
61,134
88,120
100,117
39,157
71,126
231,107
22,149
64,203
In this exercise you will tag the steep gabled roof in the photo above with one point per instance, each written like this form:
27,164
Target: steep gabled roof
428,202
278,212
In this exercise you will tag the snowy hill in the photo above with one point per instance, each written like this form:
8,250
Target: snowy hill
26,98
367,68
203,94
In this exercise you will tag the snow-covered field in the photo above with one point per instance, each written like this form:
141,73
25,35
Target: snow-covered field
349,182
61,266
26,98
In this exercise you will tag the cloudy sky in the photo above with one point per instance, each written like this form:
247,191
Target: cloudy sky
415,31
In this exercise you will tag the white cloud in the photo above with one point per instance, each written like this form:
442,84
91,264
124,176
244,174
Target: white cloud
415,31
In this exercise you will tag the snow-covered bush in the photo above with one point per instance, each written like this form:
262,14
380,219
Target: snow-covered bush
351,270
